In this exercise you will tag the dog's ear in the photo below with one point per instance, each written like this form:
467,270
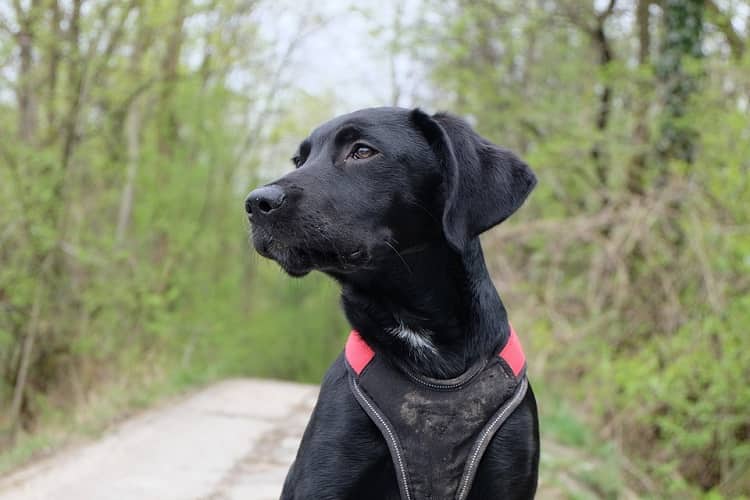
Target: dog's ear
483,183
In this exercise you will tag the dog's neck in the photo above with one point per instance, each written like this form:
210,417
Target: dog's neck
435,311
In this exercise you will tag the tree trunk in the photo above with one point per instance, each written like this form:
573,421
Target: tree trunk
132,137
132,140
605,98
636,171
682,39
25,365
75,82
54,63
167,132
603,47
27,104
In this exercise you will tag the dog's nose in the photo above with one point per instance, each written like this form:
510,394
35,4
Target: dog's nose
264,200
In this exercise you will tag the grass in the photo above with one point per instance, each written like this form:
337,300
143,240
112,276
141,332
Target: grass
575,463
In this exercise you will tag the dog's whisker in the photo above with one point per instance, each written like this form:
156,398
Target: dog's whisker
423,208
399,256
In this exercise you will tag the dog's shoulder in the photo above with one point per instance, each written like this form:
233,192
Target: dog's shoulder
335,396
337,405
340,446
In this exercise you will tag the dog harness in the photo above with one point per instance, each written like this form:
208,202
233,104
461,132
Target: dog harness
437,430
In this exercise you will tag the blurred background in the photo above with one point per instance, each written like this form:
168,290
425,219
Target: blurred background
131,130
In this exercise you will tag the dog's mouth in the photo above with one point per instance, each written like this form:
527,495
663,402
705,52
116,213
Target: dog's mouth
298,260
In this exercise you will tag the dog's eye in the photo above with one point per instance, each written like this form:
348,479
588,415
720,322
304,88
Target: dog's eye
361,152
298,161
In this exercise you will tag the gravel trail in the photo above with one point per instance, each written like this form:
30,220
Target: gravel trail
232,440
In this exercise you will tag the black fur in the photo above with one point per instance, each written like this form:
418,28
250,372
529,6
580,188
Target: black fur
399,231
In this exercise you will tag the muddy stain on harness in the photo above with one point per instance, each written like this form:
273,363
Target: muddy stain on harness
433,414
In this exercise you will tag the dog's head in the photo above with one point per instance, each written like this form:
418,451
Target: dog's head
379,183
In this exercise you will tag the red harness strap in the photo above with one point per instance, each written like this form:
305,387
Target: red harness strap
359,354
512,353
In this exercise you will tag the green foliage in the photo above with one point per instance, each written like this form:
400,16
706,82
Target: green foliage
295,330
123,248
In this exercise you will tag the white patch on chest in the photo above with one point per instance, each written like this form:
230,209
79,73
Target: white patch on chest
418,340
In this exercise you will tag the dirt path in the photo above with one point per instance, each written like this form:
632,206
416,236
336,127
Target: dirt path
233,440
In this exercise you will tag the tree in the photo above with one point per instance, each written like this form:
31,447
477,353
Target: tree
680,76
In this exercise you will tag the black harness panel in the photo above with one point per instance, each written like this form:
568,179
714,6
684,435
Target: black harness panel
436,430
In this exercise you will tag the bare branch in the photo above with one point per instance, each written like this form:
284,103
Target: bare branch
723,22
602,16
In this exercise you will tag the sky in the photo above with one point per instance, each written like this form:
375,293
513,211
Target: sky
340,51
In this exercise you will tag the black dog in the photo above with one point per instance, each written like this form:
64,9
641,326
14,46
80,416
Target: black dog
390,202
